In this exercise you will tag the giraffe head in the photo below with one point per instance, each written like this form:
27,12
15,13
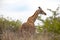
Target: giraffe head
40,11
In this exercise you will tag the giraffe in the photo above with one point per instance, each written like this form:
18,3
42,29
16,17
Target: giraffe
29,25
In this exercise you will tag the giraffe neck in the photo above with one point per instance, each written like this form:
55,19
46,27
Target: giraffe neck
33,18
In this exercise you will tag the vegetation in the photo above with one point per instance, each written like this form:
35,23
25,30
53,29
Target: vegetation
52,24
6,24
50,30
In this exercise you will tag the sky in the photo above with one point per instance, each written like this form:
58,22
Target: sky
22,9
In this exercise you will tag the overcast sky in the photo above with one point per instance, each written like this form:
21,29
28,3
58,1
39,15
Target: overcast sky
22,9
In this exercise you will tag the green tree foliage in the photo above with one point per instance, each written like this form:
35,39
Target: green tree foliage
6,24
52,23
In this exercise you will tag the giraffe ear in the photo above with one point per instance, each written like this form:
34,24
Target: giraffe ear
39,7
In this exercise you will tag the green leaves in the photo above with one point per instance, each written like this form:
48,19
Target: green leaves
52,23
6,24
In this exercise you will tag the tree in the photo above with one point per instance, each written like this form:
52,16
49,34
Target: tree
52,24
6,24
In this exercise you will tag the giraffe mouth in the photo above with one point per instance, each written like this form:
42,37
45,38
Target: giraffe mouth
45,13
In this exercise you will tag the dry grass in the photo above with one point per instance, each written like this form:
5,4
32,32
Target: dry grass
9,35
